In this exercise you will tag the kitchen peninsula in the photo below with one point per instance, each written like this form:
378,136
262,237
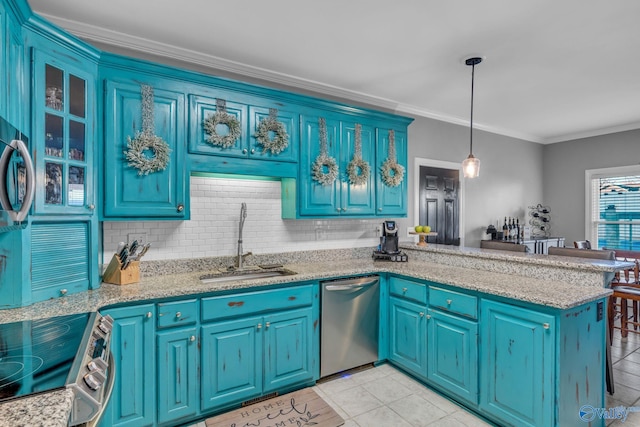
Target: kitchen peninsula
568,309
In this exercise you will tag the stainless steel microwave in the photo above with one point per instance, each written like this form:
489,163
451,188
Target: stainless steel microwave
17,177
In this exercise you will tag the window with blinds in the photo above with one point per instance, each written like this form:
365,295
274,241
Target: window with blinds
615,211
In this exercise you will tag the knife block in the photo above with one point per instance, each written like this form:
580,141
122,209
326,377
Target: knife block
115,275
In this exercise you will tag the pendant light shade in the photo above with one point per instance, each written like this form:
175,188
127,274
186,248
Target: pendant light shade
471,165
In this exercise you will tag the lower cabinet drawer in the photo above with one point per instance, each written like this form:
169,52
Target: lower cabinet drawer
408,289
177,313
249,303
454,302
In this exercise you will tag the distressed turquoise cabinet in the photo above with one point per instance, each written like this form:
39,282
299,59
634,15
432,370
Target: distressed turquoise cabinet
129,194
408,335
340,197
288,344
408,325
177,360
518,374
133,401
245,358
453,354
177,374
231,359
249,112
64,138
257,342
391,200
13,69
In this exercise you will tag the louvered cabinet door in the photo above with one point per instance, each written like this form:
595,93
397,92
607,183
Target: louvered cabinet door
61,259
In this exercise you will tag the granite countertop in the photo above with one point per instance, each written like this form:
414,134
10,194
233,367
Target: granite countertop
52,409
586,264
548,293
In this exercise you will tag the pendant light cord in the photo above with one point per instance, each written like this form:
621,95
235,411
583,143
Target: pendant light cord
473,69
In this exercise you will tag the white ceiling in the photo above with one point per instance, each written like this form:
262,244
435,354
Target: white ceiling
553,70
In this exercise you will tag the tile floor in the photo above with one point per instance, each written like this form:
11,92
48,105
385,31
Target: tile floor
384,396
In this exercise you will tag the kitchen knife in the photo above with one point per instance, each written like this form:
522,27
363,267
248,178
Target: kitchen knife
122,251
144,250
124,258
133,249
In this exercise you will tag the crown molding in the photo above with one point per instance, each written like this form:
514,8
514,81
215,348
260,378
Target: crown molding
113,38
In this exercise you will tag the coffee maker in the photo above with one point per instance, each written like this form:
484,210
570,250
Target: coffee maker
388,248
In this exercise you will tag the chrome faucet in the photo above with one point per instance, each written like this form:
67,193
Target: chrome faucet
240,256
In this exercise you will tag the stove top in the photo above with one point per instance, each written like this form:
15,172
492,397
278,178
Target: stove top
37,355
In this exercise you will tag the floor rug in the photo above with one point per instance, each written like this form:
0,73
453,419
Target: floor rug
298,409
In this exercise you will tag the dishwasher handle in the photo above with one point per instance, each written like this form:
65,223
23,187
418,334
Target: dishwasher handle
350,284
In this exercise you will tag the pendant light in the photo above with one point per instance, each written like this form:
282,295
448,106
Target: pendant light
471,165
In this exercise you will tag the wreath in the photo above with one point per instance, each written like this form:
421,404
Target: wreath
137,158
392,173
147,140
222,118
358,169
324,169
280,139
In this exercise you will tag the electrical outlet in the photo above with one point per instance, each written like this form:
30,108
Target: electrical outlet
321,234
140,237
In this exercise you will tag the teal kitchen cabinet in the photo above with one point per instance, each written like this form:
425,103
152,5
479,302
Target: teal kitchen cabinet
177,352
408,325
288,345
128,193
13,68
231,357
249,113
340,197
133,400
391,200
64,134
244,355
518,375
452,332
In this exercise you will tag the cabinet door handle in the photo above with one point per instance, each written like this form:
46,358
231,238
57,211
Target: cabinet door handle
545,325
192,338
180,207
449,302
244,151
338,209
259,326
266,325
63,291
404,290
149,315
421,314
91,207
253,151
428,316
344,209
178,314
379,209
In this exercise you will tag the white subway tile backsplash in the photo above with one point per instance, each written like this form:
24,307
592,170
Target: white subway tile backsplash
213,228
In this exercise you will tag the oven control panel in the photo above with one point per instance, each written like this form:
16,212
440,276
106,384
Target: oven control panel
90,377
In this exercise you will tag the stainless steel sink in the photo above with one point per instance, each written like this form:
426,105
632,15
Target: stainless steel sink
231,276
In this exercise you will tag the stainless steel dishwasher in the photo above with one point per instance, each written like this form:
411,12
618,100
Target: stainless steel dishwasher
349,323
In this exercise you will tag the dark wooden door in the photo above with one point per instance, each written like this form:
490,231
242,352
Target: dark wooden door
439,203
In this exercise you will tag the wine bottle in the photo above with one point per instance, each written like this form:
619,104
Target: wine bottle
505,229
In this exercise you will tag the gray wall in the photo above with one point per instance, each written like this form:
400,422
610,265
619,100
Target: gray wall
510,172
564,175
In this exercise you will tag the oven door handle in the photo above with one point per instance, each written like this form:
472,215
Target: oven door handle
5,160
111,379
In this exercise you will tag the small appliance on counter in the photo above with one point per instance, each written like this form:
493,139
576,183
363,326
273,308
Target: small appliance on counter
388,248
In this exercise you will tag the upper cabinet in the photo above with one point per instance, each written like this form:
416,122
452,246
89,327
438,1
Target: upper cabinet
12,69
63,135
144,149
331,146
391,171
350,166
248,135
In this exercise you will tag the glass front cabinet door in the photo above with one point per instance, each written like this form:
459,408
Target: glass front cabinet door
63,135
